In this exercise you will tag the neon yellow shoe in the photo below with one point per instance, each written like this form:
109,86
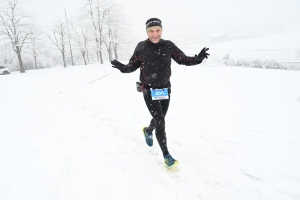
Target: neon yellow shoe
148,137
170,161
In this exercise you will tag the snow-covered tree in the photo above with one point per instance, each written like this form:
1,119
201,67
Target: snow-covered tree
113,37
96,11
81,36
35,44
59,38
14,26
69,36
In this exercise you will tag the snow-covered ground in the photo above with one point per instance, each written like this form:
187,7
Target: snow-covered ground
75,133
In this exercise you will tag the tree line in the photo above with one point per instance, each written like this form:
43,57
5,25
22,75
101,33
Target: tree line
95,34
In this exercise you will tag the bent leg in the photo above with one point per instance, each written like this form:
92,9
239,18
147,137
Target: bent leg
158,110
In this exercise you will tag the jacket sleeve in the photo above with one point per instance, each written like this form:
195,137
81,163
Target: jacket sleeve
134,62
181,58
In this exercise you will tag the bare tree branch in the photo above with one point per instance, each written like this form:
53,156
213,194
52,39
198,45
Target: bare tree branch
59,39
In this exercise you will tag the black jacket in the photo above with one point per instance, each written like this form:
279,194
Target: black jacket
154,61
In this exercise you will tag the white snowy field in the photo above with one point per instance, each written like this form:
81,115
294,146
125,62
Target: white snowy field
281,46
67,133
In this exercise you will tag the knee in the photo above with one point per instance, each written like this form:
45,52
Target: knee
159,120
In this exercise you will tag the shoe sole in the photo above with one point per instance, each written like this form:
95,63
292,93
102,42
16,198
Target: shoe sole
146,138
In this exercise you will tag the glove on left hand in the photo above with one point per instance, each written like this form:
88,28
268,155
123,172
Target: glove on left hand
203,54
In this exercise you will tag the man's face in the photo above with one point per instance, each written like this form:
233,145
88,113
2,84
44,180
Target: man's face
154,33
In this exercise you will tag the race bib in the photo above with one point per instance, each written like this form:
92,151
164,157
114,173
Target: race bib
159,94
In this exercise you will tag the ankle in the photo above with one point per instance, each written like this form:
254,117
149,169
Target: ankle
165,154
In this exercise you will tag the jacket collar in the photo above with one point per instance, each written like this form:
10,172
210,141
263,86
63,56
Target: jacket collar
154,44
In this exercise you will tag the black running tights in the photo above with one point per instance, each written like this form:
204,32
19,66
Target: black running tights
158,109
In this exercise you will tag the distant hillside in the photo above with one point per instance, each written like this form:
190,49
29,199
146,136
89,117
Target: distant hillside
281,46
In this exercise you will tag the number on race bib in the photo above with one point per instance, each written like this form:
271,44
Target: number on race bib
159,94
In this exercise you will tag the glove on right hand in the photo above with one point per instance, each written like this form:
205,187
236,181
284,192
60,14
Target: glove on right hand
117,64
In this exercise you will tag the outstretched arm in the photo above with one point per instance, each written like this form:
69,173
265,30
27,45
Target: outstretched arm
134,63
182,59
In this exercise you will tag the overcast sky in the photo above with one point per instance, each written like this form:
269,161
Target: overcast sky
188,16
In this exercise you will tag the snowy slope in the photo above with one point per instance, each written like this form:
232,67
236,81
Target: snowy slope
75,133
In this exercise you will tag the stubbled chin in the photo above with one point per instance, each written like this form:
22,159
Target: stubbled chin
155,40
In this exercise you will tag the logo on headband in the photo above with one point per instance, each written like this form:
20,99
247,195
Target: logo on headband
153,22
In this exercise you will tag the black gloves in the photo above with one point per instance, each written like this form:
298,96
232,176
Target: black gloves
117,64
202,54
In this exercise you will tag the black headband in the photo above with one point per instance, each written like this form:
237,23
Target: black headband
153,22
